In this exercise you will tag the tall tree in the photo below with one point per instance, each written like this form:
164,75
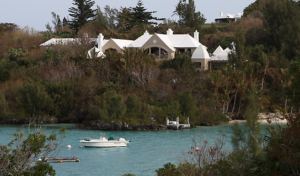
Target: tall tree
281,24
100,18
81,14
252,110
108,18
237,58
187,104
135,16
65,22
3,104
111,16
56,20
293,90
186,10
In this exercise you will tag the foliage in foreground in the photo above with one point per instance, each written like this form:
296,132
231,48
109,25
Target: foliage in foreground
279,155
20,157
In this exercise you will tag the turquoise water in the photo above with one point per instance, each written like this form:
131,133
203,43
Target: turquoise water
148,150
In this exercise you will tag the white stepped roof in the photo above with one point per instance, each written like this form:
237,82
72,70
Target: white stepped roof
237,15
227,50
183,41
166,40
200,53
63,41
221,56
139,42
218,50
56,41
171,40
122,43
178,41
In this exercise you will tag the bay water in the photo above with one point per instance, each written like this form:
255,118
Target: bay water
148,150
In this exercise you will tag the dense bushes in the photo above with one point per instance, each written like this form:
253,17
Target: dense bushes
133,87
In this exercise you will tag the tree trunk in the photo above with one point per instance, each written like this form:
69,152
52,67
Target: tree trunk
233,107
285,105
239,106
263,80
227,107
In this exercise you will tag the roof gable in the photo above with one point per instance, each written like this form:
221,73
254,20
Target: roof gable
183,41
64,41
118,44
218,50
139,42
221,56
200,53
122,43
159,40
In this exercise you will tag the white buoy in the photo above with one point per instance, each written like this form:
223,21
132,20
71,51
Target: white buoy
68,146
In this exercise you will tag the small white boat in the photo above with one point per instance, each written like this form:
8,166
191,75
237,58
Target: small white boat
103,142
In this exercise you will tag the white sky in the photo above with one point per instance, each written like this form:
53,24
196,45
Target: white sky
37,13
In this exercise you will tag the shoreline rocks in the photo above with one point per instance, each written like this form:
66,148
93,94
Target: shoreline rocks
118,126
18,120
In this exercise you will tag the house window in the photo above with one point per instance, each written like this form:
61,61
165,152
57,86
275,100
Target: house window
163,54
155,51
159,53
146,51
181,50
198,64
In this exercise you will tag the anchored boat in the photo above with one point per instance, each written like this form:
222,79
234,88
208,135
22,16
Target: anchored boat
104,142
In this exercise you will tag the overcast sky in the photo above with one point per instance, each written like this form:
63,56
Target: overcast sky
37,13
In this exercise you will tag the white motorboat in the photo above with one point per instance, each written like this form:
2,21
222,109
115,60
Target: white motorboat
103,142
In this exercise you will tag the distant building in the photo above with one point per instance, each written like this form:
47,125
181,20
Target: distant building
220,57
228,18
163,46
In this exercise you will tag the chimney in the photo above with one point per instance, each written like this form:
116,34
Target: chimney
146,33
196,36
221,14
169,32
100,41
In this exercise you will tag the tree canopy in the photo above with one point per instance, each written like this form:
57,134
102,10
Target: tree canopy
21,156
135,16
186,10
81,13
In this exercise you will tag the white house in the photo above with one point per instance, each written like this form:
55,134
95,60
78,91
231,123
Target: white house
163,46
227,18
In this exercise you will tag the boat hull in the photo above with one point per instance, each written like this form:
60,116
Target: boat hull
95,143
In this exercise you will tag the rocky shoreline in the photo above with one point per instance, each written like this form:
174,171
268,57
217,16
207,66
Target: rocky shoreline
118,126
18,120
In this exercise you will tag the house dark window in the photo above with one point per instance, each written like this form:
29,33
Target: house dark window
181,50
155,51
146,51
163,54
198,64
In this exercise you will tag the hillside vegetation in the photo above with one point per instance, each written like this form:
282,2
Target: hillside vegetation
59,84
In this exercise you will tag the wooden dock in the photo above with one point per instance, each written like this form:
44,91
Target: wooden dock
61,159
175,124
